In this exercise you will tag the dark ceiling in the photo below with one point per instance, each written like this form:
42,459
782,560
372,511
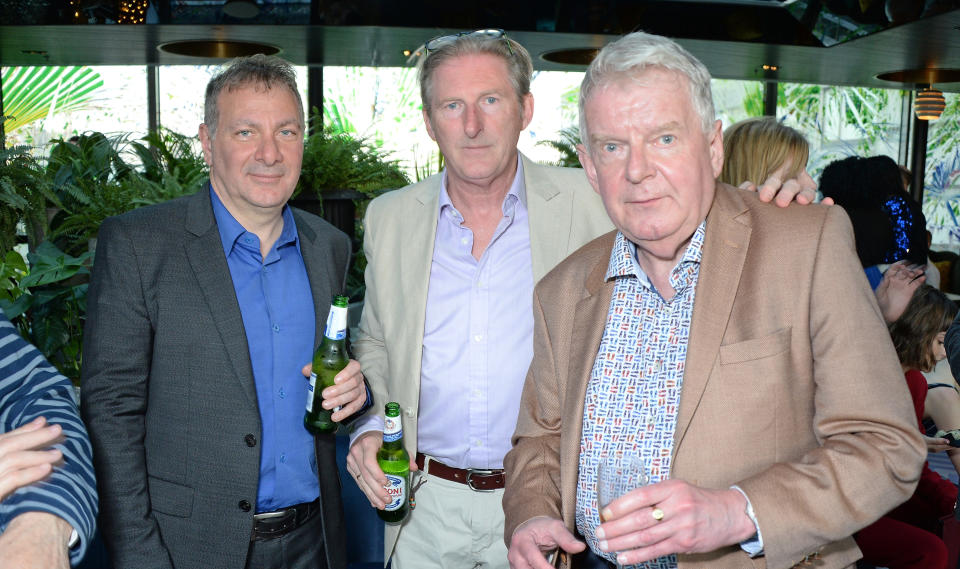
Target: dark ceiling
843,42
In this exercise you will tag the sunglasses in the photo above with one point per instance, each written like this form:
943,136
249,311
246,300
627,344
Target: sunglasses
493,34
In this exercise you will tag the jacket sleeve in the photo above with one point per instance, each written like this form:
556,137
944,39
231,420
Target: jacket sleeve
117,346
29,388
370,347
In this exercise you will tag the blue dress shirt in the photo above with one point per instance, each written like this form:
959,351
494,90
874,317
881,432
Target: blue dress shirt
276,304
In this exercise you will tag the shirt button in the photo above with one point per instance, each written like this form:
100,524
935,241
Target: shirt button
283,458
477,393
244,505
250,440
477,338
464,240
276,327
283,394
478,443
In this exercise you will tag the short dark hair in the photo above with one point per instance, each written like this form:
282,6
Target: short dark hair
260,70
928,313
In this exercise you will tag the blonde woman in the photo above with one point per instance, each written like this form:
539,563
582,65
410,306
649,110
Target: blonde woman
758,148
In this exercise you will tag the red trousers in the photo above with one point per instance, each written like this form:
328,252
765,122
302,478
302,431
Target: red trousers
897,545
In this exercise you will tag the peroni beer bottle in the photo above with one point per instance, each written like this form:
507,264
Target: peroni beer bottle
331,357
395,463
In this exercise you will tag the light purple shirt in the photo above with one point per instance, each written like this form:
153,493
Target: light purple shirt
478,337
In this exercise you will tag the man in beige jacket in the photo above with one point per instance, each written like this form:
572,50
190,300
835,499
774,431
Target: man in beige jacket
770,410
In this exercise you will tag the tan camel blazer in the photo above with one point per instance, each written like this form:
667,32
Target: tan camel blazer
792,389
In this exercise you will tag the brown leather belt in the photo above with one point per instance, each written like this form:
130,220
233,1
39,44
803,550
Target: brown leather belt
478,479
270,525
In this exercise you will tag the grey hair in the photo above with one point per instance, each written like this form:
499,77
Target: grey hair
517,58
259,70
637,52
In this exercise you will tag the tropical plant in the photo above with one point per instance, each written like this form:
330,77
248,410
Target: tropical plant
47,302
26,192
96,177
337,161
32,93
566,146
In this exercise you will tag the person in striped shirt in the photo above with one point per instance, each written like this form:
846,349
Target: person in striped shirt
48,495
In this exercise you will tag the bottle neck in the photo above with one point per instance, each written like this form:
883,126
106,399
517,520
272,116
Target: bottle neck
336,328
392,432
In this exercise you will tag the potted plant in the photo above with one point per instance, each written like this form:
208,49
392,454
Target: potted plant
339,168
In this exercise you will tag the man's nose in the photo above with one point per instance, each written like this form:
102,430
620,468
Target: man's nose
268,151
638,165
472,121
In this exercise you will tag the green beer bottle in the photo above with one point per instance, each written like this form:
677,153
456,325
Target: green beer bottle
395,464
331,357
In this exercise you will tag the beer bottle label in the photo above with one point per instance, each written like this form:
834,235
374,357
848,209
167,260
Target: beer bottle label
310,388
336,323
397,489
391,429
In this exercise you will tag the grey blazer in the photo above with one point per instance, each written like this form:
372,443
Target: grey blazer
168,389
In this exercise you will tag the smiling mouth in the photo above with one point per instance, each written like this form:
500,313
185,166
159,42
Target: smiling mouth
266,177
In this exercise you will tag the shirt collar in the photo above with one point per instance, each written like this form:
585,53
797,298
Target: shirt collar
517,194
231,230
623,261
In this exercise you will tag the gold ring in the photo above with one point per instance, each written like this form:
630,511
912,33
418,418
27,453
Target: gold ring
657,514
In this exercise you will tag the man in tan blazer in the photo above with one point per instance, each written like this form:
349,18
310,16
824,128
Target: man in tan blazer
779,421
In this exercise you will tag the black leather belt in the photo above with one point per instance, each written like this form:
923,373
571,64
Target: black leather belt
271,525
480,480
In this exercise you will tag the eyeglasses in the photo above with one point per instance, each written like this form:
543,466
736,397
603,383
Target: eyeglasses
493,34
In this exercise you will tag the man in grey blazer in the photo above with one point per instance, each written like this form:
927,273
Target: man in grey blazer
201,313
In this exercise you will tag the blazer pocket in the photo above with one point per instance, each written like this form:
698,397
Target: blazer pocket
170,498
755,348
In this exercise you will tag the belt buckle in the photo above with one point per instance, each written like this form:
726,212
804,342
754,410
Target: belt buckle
273,515
471,472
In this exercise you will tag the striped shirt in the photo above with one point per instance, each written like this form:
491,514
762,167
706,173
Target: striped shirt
29,388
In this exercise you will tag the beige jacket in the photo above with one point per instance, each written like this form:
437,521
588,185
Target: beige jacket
399,231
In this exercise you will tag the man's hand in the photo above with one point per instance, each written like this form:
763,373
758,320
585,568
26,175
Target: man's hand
897,287
25,455
363,467
783,193
349,391
536,537
695,520
36,540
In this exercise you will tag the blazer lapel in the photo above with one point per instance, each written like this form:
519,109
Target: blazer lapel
205,253
589,321
317,260
413,275
724,252
550,212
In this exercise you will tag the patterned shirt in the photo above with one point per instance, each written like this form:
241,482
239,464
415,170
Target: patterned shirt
633,397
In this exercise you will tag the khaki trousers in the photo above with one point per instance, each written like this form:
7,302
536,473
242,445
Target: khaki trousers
452,527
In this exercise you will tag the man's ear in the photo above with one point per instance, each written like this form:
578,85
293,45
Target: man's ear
588,166
206,142
429,125
526,109
716,148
